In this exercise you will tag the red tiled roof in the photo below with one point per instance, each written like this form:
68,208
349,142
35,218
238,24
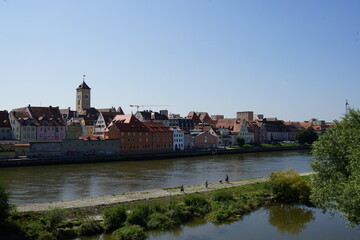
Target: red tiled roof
156,127
128,123
233,124
192,115
305,124
109,117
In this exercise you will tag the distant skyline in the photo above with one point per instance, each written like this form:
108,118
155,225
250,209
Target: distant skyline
293,60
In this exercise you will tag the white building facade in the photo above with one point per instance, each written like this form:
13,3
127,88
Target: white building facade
178,139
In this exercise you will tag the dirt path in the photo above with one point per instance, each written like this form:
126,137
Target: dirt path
134,196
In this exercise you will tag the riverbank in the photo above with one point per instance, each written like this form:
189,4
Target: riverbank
97,204
20,162
137,213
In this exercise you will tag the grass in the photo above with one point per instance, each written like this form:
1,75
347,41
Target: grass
135,218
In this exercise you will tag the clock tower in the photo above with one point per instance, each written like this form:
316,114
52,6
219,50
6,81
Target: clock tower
83,98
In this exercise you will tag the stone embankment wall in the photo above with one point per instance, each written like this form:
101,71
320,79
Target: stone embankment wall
129,157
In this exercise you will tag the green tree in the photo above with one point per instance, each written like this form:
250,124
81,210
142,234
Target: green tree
337,163
240,140
306,136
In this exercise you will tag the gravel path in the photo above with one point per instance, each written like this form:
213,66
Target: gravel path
134,196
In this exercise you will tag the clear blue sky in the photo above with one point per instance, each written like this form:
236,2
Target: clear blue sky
294,60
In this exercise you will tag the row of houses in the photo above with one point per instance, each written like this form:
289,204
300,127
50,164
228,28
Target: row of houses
88,130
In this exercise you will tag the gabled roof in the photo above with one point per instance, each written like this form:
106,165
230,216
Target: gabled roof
294,124
83,85
39,116
128,123
274,126
192,115
233,124
4,119
109,117
305,125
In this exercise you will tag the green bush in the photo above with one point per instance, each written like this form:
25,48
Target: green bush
197,204
129,232
288,186
160,221
114,218
4,204
158,206
54,216
222,195
32,230
46,236
221,215
139,215
178,213
90,227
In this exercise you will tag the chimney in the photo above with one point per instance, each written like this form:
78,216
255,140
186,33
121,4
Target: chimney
152,116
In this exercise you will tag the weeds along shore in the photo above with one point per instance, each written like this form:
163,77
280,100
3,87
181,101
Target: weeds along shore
132,220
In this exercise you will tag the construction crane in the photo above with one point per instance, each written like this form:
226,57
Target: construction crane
137,106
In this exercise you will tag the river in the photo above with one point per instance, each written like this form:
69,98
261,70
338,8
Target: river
73,181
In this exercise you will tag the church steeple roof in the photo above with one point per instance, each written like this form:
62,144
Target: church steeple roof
83,85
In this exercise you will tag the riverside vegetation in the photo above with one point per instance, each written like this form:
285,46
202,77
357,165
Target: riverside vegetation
133,220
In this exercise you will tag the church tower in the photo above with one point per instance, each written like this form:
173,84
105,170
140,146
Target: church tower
83,98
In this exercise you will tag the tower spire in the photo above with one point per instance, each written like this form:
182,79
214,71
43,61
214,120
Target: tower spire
84,77
346,107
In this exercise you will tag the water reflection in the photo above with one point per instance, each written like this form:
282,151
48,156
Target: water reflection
289,218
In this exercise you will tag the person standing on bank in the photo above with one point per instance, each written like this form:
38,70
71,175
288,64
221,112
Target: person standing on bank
206,184
227,179
182,189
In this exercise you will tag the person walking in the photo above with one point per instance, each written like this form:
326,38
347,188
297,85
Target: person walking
227,179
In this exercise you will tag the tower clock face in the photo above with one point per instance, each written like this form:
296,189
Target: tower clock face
79,96
86,96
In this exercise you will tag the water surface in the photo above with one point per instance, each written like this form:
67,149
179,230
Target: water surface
64,182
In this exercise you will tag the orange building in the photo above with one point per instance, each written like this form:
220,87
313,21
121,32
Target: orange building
136,136
162,137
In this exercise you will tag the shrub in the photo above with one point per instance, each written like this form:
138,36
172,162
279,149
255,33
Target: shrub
160,221
130,232
222,195
4,204
197,204
178,213
288,186
54,216
240,141
157,206
90,227
221,215
32,230
114,218
46,236
139,214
